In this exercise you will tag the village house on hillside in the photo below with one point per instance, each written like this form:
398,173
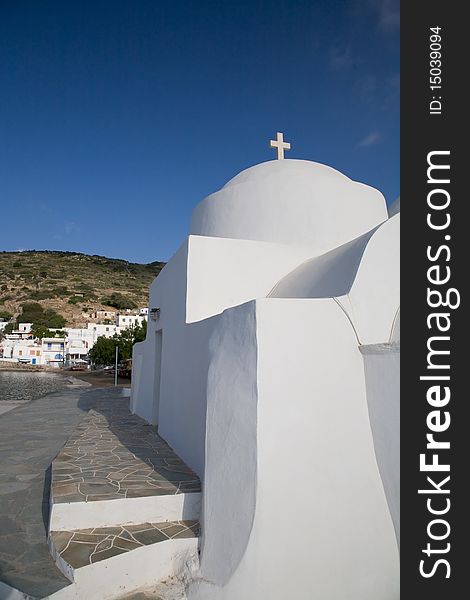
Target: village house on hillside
20,346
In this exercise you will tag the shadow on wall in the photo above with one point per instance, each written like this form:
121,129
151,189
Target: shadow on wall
382,374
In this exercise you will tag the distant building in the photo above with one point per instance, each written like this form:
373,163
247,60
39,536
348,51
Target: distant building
125,321
77,348
100,315
21,346
32,354
100,329
53,351
22,333
21,350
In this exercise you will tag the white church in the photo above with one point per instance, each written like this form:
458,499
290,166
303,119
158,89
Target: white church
271,366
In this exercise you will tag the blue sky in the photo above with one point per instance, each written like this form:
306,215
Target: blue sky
117,117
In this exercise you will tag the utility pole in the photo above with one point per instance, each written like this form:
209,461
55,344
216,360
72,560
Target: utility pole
116,367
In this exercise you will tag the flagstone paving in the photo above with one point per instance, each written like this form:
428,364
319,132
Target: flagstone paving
30,437
87,546
33,434
113,454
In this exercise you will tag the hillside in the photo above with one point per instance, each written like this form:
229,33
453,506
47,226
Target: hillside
72,283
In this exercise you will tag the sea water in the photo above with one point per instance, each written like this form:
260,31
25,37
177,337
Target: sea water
17,386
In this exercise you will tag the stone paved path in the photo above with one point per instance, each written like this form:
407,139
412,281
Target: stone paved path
30,437
5,406
116,455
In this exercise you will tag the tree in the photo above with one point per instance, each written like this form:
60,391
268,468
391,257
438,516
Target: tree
118,301
104,351
53,319
9,328
41,331
129,337
141,332
33,312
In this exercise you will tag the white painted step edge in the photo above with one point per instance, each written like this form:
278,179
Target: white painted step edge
128,511
130,571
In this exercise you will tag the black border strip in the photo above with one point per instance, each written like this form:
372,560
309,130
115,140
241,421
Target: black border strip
424,131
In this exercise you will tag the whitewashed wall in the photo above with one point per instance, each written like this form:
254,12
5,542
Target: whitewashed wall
382,370
308,502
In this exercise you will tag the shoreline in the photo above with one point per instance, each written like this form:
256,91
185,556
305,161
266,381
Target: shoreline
71,379
93,378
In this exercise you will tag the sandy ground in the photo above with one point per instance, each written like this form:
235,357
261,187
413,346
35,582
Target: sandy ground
97,378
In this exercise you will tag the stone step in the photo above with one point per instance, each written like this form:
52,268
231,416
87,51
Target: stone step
125,558
115,469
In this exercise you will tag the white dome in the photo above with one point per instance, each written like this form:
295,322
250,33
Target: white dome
257,172
290,201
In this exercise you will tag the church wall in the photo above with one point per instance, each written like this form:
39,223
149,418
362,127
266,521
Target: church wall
326,276
142,391
172,279
184,365
182,417
138,352
231,438
314,432
382,370
320,507
375,294
228,272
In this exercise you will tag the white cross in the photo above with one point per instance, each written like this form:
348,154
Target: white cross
280,144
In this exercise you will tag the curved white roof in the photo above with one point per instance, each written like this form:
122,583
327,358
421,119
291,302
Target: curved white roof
292,202
296,166
367,271
329,275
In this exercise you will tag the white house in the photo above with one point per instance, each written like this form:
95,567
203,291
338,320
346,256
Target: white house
23,332
271,366
53,351
30,353
77,348
25,327
125,321
98,329
104,315
81,340
21,350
